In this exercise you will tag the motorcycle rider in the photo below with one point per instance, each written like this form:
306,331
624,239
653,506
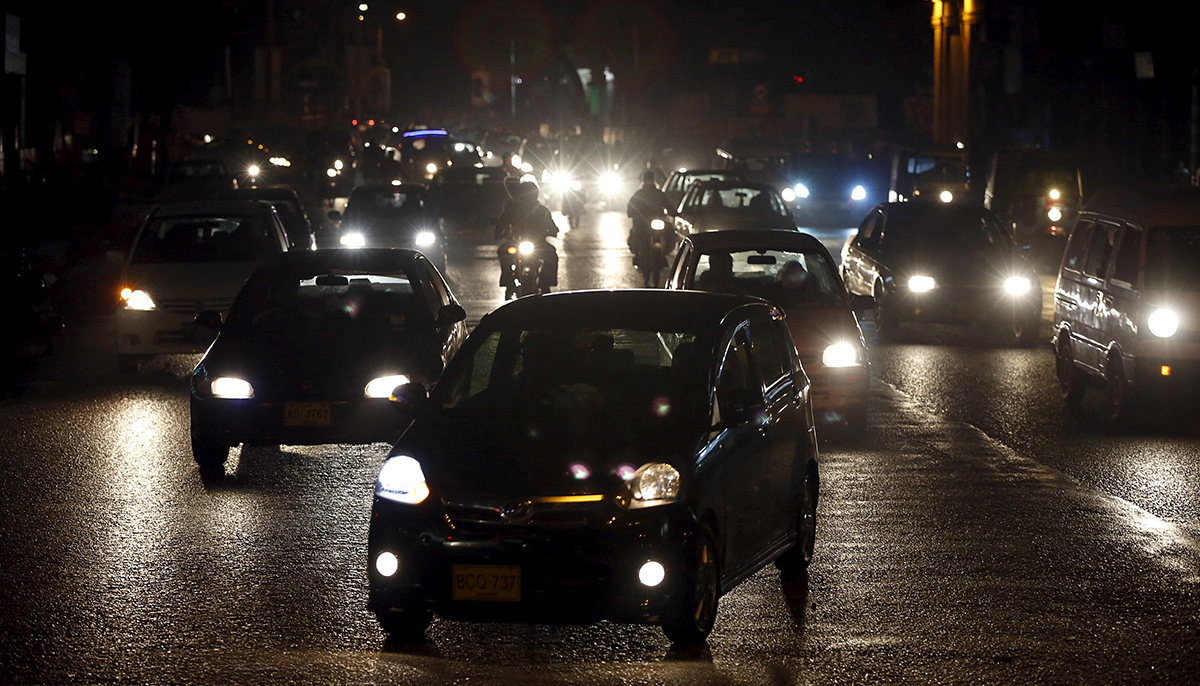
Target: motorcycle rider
525,218
648,203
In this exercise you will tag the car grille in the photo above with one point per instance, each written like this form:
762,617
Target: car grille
523,518
193,305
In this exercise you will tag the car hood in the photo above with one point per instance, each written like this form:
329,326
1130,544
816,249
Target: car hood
289,364
814,329
963,267
192,280
514,457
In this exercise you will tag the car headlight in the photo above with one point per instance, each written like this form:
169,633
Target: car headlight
525,248
859,193
1054,214
1016,285
253,170
231,387
527,167
383,386
788,194
280,161
840,355
401,479
425,239
1163,322
1054,194
610,183
801,190
921,284
137,299
337,164
658,224
946,196
654,482
431,168
353,240
516,161
331,172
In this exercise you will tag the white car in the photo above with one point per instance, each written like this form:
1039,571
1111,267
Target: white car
187,258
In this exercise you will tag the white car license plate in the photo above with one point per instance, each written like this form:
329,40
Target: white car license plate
486,582
306,414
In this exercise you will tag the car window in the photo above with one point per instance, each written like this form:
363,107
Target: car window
1077,247
339,302
787,278
205,239
738,384
1099,250
1172,259
766,352
961,228
1129,253
868,233
748,199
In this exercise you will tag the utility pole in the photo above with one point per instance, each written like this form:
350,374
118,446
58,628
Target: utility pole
956,24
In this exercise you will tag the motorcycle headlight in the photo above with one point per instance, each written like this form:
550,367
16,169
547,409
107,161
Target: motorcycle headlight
859,193
1016,285
946,196
231,387
658,224
253,170
1163,322
654,482
525,248
137,299
921,284
425,239
527,168
1054,214
788,194
401,480
431,168
840,355
801,190
353,240
383,386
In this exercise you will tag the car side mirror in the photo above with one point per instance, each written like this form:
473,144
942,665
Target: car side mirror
334,215
409,398
209,319
451,314
862,303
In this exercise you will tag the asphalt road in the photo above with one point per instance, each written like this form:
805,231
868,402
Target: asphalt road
974,533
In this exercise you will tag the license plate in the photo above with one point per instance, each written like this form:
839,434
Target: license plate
486,582
306,414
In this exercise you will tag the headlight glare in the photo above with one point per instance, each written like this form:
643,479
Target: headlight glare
353,240
1016,285
859,193
137,299
946,196
253,170
425,239
921,284
658,224
610,183
401,479
801,190
840,355
231,387
788,194
655,481
383,386
1054,214
525,248
1163,322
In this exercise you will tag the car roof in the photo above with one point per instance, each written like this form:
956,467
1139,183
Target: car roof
653,309
269,193
1149,205
730,172
381,188
212,206
704,185
749,239
324,260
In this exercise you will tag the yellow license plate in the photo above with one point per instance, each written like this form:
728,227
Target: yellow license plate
306,414
486,582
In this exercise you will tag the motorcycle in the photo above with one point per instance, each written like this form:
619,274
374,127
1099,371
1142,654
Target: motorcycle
650,252
526,270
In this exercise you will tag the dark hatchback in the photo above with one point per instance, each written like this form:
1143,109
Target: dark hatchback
392,216
716,205
313,347
942,263
623,455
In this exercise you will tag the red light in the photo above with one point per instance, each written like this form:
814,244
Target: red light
797,78
370,122
353,122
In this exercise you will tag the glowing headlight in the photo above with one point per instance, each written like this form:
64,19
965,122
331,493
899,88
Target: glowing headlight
516,161
859,193
137,299
788,194
610,183
527,167
401,479
253,170
1017,285
396,182
353,240
383,386
946,196
1054,214
280,161
840,355
801,190
1054,194
387,564
331,172
1163,323
231,387
921,284
652,573
525,248
658,224
425,239
655,481
576,185
337,164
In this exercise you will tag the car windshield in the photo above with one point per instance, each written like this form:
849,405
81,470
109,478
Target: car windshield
633,373
335,302
938,170
188,171
204,239
741,198
385,204
787,278
1173,259
956,228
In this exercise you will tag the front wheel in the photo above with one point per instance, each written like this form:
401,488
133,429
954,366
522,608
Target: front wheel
800,555
698,611
1071,379
209,454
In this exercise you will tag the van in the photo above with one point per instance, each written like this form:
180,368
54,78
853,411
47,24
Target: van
1037,194
1127,299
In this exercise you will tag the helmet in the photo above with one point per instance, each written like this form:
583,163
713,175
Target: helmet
647,176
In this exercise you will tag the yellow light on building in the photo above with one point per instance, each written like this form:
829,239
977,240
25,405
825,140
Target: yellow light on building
1165,370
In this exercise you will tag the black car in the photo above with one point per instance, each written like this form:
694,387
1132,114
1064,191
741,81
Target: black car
626,455
682,179
833,190
392,216
716,205
291,212
315,344
942,263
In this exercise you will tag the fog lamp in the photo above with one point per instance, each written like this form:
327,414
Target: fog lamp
652,573
387,564
921,284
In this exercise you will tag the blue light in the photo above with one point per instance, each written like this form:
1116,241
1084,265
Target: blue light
425,132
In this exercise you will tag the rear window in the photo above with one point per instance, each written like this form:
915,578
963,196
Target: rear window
205,239
1173,259
944,227
748,199
331,302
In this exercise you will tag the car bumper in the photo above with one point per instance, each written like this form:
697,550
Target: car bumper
962,305
831,212
231,421
838,393
160,332
569,571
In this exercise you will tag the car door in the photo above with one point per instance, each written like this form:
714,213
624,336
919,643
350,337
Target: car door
782,424
1069,292
1095,299
859,261
1122,315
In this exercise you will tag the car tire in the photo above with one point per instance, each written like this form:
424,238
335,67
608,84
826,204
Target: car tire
404,626
796,560
1119,403
701,592
209,454
1025,329
1071,379
887,327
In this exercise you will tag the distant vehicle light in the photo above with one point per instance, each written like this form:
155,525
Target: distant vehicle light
231,387
337,164
1163,322
801,190
788,195
387,564
1054,214
396,182
353,240
652,573
576,185
610,183
459,147
253,170
859,193
683,170
921,284
840,355
137,299
1016,285
280,161
946,196
516,161
525,248
383,386
527,167
1054,194
425,239
331,172
431,168
658,224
